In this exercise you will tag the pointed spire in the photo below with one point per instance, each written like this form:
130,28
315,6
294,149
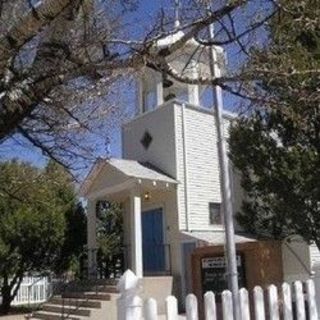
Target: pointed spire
176,13
108,148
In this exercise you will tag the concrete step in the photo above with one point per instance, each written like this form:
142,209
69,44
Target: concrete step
75,302
107,289
94,282
87,295
109,282
44,315
66,310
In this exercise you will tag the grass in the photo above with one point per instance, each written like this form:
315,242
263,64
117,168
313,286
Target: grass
23,309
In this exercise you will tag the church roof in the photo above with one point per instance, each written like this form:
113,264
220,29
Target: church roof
135,169
170,39
192,44
216,237
129,168
173,38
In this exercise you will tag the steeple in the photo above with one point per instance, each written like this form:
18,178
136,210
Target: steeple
192,61
107,148
176,13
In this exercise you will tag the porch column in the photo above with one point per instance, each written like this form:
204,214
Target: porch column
136,233
92,239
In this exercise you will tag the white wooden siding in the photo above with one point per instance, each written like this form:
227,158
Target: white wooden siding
161,152
180,167
315,256
108,177
166,151
315,262
203,165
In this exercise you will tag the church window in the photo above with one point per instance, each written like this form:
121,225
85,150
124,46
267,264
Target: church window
206,97
146,140
214,213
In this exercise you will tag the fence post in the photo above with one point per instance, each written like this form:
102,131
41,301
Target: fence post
129,304
273,302
244,304
28,293
299,301
311,296
227,307
172,308
150,309
287,302
210,310
191,307
259,310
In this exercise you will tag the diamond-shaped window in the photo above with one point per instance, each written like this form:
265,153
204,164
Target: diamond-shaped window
146,140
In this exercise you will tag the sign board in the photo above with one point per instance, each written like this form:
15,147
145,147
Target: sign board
214,273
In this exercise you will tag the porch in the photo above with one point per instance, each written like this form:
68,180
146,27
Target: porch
141,189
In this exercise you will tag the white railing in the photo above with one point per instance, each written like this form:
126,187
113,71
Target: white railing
33,290
288,302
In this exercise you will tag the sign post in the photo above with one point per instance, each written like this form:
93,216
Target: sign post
213,274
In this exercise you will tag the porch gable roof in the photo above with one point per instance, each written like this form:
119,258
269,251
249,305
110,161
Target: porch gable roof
126,168
135,169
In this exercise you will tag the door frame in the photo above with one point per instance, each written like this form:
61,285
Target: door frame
153,206
167,253
183,266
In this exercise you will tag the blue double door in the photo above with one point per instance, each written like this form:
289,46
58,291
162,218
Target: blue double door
153,241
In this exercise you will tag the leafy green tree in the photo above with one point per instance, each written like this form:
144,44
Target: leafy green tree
276,146
32,226
75,238
35,220
110,238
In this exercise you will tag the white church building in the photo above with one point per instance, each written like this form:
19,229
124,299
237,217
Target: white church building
168,182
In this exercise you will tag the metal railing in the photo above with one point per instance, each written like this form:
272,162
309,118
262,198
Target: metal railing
156,258
91,281
38,290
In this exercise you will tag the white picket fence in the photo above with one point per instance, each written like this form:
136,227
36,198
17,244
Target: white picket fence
33,290
292,302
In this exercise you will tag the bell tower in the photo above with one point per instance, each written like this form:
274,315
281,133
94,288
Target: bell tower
151,135
156,88
192,61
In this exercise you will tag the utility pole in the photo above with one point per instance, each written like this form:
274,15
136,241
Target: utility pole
225,183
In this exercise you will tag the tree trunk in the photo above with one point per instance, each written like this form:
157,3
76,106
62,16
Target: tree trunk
9,290
6,296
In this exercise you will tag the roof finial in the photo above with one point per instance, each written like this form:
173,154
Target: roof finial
176,13
108,148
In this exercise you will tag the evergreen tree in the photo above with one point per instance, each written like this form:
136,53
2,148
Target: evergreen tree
276,146
75,237
110,239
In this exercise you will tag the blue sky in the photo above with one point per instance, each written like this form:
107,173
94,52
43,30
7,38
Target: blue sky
137,23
